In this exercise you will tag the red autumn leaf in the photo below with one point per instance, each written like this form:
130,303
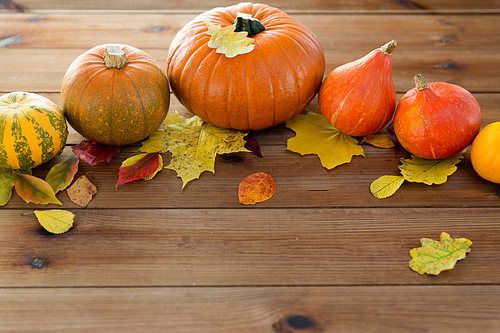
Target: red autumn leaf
93,152
251,144
35,190
142,166
255,188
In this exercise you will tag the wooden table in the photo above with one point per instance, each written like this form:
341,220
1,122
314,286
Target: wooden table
323,255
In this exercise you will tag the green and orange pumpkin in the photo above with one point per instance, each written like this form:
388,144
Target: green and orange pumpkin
32,130
115,94
253,91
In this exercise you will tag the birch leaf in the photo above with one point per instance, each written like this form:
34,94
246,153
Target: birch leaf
386,186
257,187
194,144
7,181
228,42
434,257
429,172
55,221
62,174
35,190
315,135
142,166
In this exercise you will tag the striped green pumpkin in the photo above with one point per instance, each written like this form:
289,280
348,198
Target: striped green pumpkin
32,130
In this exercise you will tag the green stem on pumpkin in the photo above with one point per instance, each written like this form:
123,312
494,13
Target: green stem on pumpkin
114,57
420,82
245,22
389,47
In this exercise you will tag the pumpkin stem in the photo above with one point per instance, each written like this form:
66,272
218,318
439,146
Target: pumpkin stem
420,82
389,47
114,57
248,23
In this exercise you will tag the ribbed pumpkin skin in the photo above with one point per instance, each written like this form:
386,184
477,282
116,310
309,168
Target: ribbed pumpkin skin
437,122
32,130
252,91
359,98
112,106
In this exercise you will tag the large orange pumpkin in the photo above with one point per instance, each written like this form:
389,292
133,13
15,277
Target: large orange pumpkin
115,94
253,91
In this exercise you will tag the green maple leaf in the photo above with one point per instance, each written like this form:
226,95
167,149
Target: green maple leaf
315,135
434,257
429,172
194,144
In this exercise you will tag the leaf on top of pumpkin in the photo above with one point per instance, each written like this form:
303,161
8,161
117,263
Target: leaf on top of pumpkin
429,172
62,174
315,135
257,187
93,152
379,140
7,181
228,42
81,191
35,190
386,186
194,144
434,257
143,166
55,221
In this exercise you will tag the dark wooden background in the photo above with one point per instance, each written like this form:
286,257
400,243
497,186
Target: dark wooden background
323,255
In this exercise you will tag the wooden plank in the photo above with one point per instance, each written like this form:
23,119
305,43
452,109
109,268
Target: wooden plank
372,5
43,70
442,309
244,247
334,31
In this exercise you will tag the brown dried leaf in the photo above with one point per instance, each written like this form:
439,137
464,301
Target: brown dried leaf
81,191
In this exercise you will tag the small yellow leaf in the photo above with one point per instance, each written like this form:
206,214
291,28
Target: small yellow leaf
429,172
56,221
315,135
379,140
386,186
228,42
434,257
81,191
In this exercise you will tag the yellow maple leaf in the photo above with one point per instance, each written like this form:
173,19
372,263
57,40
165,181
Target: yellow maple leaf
315,135
56,221
228,42
378,140
434,257
386,186
194,144
429,172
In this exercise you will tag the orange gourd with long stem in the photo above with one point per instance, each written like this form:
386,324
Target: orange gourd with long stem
359,98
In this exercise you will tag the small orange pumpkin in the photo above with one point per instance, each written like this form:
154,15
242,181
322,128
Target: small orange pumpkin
253,91
485,153
436,120
115,94
359,98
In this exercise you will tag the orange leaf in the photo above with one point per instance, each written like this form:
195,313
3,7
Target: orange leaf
255,188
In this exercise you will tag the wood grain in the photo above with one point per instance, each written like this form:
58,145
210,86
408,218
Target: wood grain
244,247
375,5
433,309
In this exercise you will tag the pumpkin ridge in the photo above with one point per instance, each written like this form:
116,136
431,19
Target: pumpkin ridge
21,145
207,92
3,151
271,83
